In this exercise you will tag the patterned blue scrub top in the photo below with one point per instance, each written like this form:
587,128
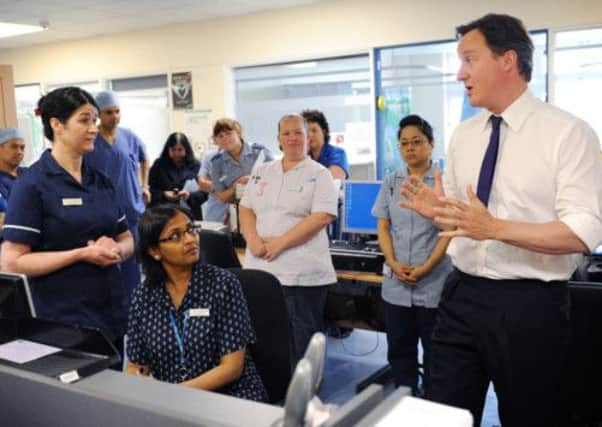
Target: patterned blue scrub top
414,239
221,326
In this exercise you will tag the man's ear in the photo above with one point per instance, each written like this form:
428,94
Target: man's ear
510,60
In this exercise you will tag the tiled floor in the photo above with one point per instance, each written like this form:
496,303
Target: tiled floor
350,360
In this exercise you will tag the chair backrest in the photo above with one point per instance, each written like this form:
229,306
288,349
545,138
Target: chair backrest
268,313
316,355
216,248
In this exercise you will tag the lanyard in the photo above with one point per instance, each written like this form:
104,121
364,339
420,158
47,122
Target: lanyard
180,337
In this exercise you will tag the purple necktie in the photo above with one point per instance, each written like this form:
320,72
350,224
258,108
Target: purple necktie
488,165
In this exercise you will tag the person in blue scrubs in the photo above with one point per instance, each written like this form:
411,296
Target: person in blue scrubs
233,164
63,227
416,264
121,156
330,156
12,151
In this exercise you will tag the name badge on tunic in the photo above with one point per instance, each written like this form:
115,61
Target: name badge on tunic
198,312
296,189
73,201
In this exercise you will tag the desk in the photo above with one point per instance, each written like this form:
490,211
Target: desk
343,275
111,398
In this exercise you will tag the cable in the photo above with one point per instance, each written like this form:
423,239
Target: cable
364,353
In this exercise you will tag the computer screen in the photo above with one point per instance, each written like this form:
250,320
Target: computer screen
358,199
15,297
598,251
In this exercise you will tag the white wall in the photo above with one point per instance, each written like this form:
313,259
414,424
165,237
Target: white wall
210,48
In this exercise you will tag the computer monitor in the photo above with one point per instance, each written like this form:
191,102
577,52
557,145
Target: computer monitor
358,199
597,252
15,297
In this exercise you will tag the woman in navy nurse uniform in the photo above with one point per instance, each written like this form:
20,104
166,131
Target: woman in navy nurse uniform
64,229
416,264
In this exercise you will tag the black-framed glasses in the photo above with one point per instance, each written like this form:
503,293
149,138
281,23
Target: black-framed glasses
178,235
406,143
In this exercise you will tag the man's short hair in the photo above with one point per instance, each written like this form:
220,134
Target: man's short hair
503,33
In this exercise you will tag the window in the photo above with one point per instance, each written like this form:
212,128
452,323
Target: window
26,97
89,86
577,74
144,106
421,79
339,87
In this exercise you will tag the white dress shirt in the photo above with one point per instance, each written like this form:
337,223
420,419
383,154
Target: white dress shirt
548,168
280,201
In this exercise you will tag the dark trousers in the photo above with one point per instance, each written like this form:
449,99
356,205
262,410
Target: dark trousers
404,326
305,305
514,333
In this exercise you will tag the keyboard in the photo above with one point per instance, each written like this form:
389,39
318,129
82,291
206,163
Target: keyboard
353,248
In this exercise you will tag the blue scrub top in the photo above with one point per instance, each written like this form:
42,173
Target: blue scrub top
414,239
121,162
7,180
50,211
225,170
215,209
331,155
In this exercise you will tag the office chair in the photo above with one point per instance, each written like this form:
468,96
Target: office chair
270,320
316,355
216,248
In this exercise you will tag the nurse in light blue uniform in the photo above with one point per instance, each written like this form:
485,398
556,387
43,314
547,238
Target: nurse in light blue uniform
416,264
63,227
232,165
214,209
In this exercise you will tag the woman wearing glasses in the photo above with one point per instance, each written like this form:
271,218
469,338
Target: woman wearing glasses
189,322
416,264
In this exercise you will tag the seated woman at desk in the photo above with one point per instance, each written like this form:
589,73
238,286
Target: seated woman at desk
189,323
63,227
284,212
173,176
416,264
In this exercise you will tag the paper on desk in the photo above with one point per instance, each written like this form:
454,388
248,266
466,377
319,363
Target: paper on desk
413,412
23,351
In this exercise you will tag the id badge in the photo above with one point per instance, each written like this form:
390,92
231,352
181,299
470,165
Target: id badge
72,201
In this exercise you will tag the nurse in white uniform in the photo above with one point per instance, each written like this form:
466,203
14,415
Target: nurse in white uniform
284,212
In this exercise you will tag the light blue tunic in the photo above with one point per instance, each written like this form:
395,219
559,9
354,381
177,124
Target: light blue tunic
214,208
414,239
225,170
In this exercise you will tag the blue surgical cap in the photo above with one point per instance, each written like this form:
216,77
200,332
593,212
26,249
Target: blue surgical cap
6,134
107,99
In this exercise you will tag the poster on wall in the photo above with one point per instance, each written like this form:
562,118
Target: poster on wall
197,126
181,91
